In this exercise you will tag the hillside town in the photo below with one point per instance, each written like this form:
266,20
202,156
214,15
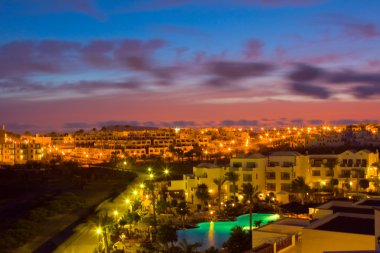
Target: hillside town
298,183
170,144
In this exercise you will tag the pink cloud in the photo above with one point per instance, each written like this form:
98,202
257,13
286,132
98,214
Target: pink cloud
253,49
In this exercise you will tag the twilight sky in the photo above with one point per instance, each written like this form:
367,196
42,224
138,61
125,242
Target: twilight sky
69,64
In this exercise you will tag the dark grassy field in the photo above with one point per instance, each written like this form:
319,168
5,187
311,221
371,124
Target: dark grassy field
29,197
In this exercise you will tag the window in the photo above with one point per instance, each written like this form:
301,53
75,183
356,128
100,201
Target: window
251,165
286,187
285,176
271,175
271,187
316,163
364,163
287,164
247,177
237,164
345,174
273,164
316,173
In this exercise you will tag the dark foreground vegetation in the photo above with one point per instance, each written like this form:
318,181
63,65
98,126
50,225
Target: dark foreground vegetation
32,196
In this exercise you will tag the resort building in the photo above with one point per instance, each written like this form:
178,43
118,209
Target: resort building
275,173
337,226
282,168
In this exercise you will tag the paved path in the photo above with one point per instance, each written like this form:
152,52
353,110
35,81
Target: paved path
85,238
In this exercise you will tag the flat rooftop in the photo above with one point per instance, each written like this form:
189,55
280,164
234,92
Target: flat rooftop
369,202
343,209
354,225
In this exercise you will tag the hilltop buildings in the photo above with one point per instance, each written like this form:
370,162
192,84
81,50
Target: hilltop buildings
97,146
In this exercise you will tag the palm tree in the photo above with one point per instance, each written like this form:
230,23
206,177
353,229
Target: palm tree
331,164
186,247
250,193
334,182
123,221
150,186
183,210
357,172
300,187
377,167
258,223
233,178
202,193
364,184
105,222
219,183
166,234
239,241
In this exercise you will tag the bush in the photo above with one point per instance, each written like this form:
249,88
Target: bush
20,235
7,243
32,226
39,214
64,203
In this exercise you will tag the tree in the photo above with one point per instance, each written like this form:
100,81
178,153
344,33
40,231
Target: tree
105,222
233,178
202,193
300,187
331,164
239,241
377,168
250,193
183,210
258,223
123,221
357,174
186,247
211,249
150,186
219,183
131,217
364,184
334,182
166,234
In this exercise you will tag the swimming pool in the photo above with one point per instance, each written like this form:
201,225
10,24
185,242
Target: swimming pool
216,232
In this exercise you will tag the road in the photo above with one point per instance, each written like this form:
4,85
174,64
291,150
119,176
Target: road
85,238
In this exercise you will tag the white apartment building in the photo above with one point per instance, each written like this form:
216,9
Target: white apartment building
274,173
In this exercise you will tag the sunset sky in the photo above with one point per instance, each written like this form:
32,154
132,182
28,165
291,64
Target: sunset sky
70,64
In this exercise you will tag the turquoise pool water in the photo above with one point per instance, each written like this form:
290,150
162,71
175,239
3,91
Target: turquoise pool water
216,232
